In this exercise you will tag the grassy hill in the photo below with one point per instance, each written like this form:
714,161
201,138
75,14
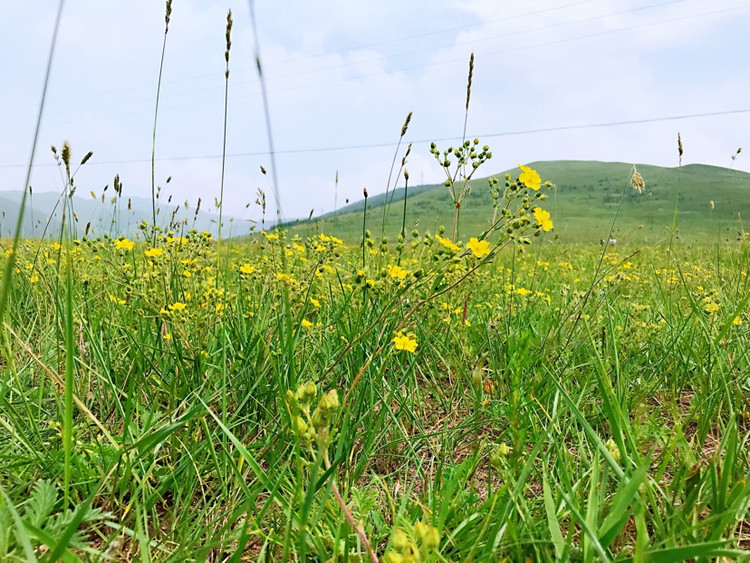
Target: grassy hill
583,205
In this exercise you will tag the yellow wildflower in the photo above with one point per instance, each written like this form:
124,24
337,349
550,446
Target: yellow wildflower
285,277
124,244
153,252
397,272
447,243
530,178
542,217
406,342
478,247
306,324
247,269
177,306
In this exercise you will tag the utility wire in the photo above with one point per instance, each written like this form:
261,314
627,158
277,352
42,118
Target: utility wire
339,148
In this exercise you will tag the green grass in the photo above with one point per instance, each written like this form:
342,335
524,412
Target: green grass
559,405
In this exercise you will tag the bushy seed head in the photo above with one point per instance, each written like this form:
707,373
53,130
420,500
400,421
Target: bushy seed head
405,126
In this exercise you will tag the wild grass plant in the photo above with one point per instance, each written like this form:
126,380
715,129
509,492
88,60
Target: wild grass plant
429,398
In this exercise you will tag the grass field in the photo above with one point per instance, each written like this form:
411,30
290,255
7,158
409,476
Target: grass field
296,398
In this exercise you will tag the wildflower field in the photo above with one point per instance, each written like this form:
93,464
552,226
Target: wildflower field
418,399
386,391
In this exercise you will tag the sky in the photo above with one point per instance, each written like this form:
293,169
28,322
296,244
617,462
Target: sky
609,80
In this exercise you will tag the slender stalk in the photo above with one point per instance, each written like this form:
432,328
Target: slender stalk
335,199
403,218
226,107
67,423
386,204
10,263
167,17
364,228
269,130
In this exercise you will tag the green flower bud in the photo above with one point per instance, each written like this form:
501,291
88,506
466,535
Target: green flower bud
299,426
428,536
330,400
291,400
476,377
399,540
306,393
613,450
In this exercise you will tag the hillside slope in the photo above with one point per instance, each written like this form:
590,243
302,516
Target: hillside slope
589,198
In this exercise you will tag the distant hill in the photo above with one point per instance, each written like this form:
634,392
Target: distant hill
114,216
583,205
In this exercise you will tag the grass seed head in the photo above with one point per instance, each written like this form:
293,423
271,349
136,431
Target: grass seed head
468,82
636,180
167,16
405,126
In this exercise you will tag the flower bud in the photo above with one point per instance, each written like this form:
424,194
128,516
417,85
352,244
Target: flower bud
428,536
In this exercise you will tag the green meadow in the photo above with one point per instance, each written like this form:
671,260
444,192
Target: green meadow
503,396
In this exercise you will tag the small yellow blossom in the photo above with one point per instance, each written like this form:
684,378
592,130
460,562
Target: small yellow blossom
177,306
285,277
447,243
153,252
478,247
270,236
306,324
711,308
247,269
530,178
406,342
124,244
397,272
542,217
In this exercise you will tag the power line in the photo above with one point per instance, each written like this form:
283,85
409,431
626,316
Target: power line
340,148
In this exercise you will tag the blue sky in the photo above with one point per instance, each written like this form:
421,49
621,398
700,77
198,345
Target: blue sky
345,74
